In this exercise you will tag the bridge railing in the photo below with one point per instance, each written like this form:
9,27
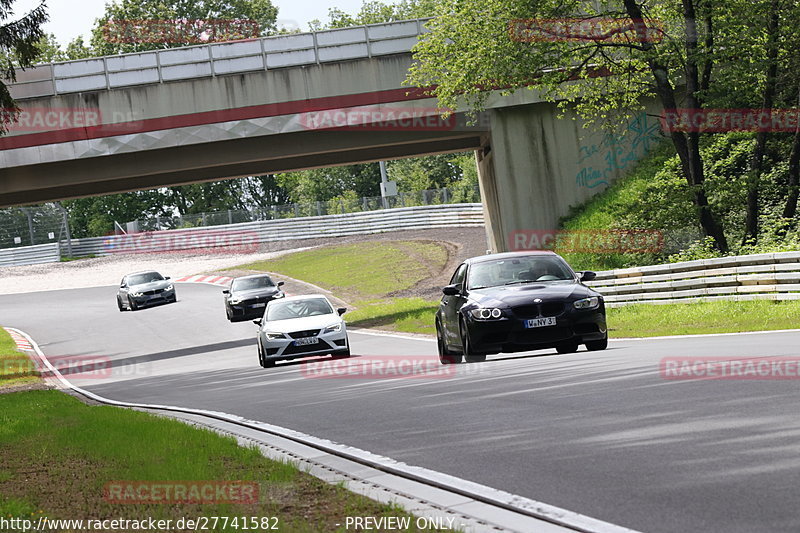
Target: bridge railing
770,276
217,59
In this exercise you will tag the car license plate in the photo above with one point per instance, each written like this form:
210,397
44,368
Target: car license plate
305,341
540,322
258,305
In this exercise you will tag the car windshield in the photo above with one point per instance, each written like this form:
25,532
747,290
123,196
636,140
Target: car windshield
147,277
247,284
518,270
288,309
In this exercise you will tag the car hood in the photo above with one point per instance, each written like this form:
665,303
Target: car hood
153,285
513,295
302,324
255,293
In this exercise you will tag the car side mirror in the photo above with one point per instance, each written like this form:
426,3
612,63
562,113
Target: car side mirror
257,322
121,285
588,275
280,284
451,290
225,291
167,277
341,310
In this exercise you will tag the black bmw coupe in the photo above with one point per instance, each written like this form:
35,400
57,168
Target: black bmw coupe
515,302
248,296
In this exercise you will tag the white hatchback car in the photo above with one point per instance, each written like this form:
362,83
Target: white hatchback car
301,326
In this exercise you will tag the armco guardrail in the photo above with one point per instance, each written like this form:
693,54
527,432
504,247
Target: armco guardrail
772,276
173,64
30,255
420,217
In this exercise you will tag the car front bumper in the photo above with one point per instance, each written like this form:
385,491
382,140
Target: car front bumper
152,299
511,335
246,309
327,343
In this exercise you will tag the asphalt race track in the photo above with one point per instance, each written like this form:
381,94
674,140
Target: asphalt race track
599,433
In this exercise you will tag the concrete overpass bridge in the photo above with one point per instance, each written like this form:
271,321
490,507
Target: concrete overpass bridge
224,110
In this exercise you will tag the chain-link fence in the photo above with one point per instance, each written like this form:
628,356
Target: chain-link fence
330,207
27,226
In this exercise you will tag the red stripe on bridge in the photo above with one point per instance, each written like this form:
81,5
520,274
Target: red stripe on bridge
213,117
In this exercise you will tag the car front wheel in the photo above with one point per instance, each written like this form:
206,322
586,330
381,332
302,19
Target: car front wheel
567,347
446,357
131,304
469,354
594,346
119,304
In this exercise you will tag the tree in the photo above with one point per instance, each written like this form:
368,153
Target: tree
140,25
375,12
49,50
19,40
664,50
94,216
323,184
77,49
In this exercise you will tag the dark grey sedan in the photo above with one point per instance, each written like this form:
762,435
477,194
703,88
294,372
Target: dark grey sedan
249,295
141,289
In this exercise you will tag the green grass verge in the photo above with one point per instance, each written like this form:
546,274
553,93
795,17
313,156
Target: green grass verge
702,317
67,259
415,315
605,210
410,315
16,368
361,271
57,454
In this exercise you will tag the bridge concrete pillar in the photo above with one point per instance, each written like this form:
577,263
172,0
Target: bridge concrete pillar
535,164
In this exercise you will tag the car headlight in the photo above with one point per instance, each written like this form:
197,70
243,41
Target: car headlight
333,328
587,303
487,313
137,294
169,287
234,301
279,295
273,335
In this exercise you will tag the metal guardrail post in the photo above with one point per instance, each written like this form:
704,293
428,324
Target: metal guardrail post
366,39
316,47
211,62
65,217
158,67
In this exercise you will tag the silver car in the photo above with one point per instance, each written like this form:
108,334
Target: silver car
301,326
141,289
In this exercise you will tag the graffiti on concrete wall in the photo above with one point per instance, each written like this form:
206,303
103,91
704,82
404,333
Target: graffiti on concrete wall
616,151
